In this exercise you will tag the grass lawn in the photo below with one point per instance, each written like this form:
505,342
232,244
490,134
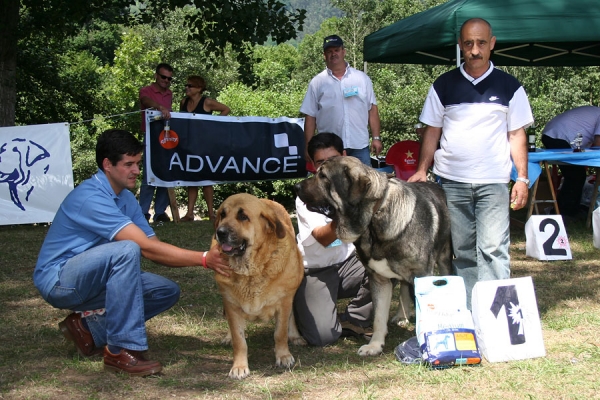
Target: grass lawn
36,362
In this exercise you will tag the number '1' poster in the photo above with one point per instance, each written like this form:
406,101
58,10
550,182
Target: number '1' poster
507,320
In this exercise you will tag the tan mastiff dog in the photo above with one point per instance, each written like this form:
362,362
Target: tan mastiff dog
258,237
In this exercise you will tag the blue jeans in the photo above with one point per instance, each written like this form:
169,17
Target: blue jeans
147,193
363,154
109,276
480,226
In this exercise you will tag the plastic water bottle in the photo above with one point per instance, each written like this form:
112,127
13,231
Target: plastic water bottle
531,142
167,128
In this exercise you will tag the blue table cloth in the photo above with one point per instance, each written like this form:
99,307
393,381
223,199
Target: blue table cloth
590,157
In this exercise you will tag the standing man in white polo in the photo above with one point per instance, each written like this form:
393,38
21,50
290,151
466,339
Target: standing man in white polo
478,115
341,100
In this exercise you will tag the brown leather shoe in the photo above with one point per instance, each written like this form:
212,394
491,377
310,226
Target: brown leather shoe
72,328
130,362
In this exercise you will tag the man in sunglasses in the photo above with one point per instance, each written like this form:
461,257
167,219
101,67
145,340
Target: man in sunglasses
159,97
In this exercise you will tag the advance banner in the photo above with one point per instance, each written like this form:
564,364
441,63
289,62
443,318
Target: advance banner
36,172
200,150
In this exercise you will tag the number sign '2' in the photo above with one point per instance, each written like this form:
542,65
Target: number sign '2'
546,238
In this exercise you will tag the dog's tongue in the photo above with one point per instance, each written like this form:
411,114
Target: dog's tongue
226,247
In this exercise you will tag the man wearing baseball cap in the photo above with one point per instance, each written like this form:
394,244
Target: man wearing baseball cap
341,100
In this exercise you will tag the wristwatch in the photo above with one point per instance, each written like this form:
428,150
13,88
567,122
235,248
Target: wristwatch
376,138
524,180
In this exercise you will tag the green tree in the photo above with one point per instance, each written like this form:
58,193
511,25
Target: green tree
274,66
316,13
239,23
400,89
141,48
35,33
144,46
362,17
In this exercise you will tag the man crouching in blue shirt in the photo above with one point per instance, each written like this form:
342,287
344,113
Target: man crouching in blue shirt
90,262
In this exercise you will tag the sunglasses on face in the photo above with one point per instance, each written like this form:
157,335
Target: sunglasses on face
190,86
169,78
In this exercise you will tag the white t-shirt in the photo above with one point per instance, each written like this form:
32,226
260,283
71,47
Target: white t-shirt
475,116
313,252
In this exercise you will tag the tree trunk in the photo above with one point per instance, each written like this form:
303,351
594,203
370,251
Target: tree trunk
9,20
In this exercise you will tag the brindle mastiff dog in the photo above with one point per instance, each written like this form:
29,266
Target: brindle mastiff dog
258,237
401,230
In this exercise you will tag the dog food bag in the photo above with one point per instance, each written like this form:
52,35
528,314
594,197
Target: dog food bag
409,351
445,328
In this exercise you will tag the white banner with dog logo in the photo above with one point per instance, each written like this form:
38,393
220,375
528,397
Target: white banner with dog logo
36,172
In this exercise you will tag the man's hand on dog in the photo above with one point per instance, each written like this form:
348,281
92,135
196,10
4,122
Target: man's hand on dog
419,176
216,262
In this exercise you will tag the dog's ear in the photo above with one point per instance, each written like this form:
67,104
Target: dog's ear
279,229
274,224
218,216
270,215
358,187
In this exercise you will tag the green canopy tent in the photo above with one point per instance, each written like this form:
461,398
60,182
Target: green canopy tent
528,32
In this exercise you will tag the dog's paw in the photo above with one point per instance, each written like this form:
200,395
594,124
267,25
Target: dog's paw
297,341
371,349
285,361
239,372
226,340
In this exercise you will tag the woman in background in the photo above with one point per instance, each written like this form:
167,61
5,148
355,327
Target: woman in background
195,102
